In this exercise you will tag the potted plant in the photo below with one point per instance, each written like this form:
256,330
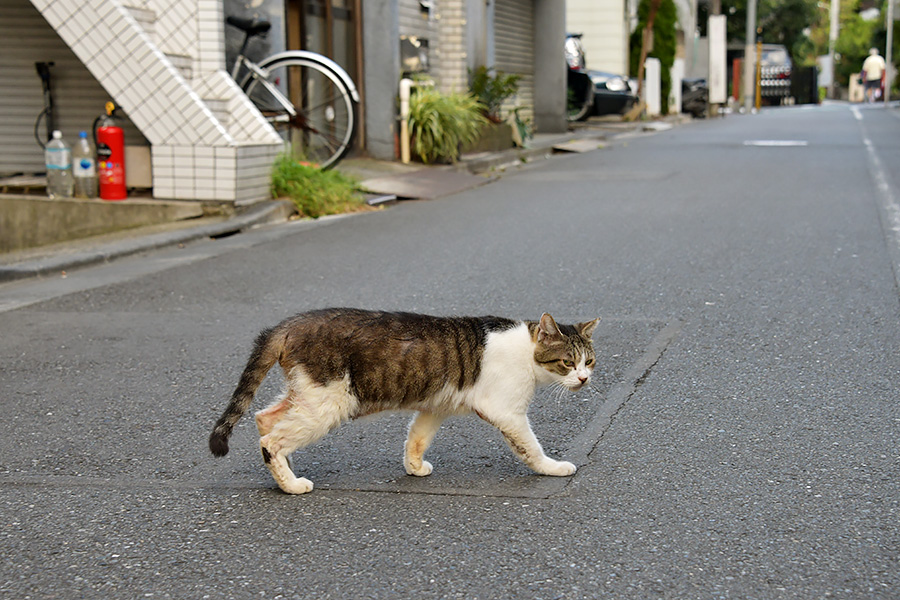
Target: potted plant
440,124
493,88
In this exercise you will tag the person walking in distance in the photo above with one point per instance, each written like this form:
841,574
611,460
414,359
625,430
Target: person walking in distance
872,72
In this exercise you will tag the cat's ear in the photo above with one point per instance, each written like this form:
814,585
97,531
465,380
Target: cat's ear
548,330
587,329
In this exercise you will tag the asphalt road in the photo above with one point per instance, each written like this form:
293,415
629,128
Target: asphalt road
740,440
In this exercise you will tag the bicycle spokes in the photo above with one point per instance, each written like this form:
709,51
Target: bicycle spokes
309,106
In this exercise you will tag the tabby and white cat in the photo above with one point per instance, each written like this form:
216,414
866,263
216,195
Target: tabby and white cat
345,363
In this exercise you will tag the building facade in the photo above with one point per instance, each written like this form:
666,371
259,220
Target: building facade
165,63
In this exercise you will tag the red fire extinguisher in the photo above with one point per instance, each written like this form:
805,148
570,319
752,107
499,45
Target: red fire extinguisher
109,139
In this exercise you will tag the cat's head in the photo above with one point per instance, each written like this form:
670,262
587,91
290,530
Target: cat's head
564,353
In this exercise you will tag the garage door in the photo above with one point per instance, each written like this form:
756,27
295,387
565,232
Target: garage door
514,49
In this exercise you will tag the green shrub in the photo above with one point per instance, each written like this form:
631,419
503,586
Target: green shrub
493,89
440,123
313,191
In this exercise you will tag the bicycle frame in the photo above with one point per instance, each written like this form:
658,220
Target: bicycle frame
262,76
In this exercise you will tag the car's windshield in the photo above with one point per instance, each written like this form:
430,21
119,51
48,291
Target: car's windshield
775,57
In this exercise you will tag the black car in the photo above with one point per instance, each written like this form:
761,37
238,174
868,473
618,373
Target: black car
613,94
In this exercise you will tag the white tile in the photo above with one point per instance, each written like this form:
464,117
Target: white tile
90,45
181,137
183,153
160,152
205,162
163,192
204,192
66,9
207,173
102,7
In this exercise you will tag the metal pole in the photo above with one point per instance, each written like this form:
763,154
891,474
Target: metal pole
715,8
887,53
756,80
749,48
833,32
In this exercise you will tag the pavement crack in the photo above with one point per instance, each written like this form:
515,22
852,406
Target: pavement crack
621,393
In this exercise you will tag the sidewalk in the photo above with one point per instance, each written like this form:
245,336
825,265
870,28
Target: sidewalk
386,181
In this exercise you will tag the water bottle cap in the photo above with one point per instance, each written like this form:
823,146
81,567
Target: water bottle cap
57,134
82,134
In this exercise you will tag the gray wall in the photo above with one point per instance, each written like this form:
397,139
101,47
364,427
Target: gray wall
549,66
381,68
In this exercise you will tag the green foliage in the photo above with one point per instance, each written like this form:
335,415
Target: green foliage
492,89
852,47
524,127
441,123
313,191
784,22
665,43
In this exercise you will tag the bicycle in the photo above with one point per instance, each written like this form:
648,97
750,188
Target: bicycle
308,98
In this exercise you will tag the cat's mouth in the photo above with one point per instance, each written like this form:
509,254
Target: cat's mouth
577,386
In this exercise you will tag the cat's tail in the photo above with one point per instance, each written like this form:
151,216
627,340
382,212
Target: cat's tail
265,354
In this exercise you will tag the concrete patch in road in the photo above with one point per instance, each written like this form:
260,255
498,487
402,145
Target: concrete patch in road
579,145
426,184
470,457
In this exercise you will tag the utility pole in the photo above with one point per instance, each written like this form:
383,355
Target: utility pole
887,53
833,31
749,52
715,9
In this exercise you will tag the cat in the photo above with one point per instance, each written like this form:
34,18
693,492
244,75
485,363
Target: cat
342,363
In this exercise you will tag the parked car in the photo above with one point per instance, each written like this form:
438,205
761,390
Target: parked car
612,93
579,90
775,74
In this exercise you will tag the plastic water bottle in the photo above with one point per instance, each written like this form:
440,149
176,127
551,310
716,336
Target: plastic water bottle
58,159
84,167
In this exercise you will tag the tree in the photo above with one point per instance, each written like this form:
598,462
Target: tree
659,18
780,21
852,47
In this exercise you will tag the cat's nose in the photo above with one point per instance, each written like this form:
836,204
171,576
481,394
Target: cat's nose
582,378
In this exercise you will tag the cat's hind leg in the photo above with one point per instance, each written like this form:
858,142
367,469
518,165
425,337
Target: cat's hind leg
307,418
421,432
268,417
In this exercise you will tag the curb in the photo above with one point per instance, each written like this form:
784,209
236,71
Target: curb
269,212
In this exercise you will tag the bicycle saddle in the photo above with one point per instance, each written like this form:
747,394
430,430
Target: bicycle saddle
249,26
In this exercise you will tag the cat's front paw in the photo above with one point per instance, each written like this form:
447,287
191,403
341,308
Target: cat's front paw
300,485
558,468
421,471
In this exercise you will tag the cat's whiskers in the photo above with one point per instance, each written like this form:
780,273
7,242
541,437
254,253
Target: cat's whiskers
557,391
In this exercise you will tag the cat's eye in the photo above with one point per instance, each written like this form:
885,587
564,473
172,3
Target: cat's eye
589,362
568,363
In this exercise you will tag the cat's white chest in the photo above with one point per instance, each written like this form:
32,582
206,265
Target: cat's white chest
507,368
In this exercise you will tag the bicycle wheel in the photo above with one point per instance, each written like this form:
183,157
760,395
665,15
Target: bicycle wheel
580,97
324,126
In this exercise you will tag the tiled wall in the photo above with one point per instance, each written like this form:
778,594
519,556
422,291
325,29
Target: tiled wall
196,153
454,75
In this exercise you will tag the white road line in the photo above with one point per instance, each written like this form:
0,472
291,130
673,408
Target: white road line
777,143
888,199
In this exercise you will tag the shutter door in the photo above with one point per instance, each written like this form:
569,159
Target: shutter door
514,49
26,38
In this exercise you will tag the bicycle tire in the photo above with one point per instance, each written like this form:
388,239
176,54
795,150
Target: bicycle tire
323,131
580,101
